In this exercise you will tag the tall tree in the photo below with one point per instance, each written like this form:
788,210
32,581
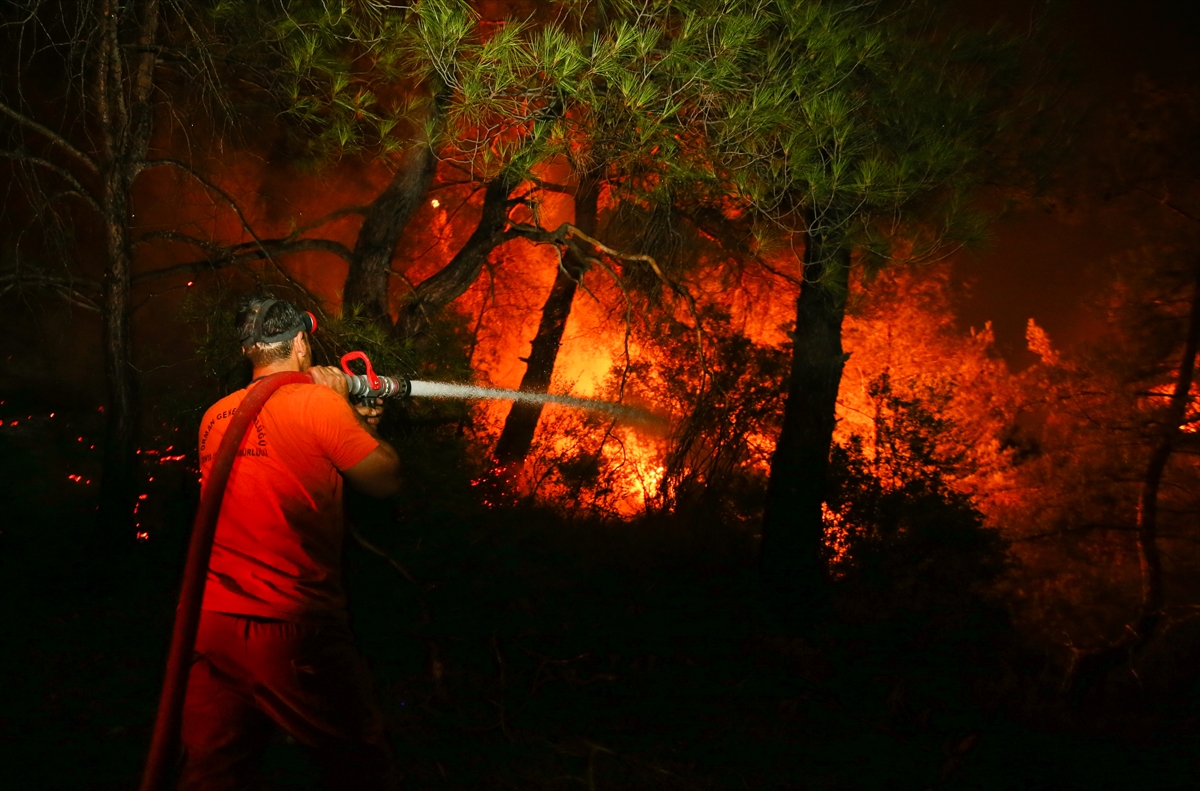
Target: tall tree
870,128
111,50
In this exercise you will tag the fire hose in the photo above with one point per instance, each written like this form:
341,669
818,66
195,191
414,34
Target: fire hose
195,573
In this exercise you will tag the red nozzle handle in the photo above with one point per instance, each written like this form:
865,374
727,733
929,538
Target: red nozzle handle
346,358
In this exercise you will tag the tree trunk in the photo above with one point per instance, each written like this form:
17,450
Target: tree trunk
519,427
371,262
126,127
451,281
793,528
121,411
1147,515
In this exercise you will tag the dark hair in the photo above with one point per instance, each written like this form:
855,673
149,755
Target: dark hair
279,317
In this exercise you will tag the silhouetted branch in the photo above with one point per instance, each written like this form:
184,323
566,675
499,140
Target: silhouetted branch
62,287
239,254
63,173
56,139
565,232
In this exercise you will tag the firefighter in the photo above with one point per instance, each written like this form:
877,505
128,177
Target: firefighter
274,645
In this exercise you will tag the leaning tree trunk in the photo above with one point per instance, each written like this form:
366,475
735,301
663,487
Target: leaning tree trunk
1147,515
519,427
793,529
452,281
366,283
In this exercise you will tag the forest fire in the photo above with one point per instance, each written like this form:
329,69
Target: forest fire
799,487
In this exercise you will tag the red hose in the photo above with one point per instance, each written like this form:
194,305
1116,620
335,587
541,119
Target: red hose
195,574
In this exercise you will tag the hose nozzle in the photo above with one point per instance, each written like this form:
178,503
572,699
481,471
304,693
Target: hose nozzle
371,385
384,386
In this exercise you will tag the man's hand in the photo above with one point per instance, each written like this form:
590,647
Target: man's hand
331,377
370,410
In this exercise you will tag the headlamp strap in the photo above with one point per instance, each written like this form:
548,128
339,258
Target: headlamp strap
307,323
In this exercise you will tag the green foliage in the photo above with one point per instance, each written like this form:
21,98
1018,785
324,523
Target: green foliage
859,121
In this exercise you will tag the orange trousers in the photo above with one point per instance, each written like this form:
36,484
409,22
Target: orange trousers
307,678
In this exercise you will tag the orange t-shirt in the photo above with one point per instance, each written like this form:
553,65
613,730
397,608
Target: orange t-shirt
278,546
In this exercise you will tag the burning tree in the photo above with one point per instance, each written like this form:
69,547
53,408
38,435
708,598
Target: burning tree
868,150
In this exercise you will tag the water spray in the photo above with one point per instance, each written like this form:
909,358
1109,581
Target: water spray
371,385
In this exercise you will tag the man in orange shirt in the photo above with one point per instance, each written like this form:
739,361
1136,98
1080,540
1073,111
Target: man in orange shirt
273,643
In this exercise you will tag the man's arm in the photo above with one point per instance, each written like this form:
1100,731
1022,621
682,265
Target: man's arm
378,474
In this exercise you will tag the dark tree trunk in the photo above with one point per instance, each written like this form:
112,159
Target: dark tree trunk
121,411
126,126
793,530
1151,562
519,427
371,261
451,281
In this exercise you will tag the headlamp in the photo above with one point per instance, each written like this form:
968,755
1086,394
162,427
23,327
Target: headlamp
307,323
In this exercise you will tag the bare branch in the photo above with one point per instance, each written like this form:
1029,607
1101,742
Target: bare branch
58,140
263,251
239,254
62,287
211,187
63,173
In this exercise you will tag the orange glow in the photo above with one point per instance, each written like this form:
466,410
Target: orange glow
837,536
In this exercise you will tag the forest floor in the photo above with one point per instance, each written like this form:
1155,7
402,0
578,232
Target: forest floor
541,654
